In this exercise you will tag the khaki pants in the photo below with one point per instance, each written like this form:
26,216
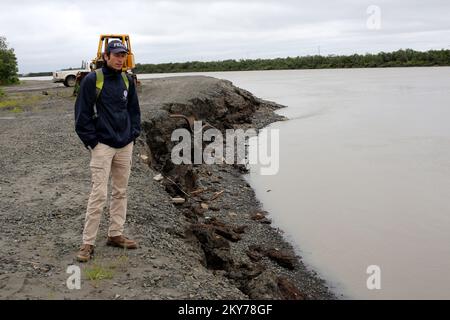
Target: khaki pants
106,160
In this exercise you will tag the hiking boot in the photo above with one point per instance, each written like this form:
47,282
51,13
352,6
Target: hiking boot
85,253
121,242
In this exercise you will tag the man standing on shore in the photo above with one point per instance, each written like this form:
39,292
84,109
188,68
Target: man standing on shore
107,120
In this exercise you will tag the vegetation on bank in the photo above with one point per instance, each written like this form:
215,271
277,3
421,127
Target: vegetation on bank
399,58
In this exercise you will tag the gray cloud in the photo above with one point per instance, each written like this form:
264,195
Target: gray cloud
48,35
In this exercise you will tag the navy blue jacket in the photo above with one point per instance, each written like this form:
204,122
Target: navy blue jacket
119,116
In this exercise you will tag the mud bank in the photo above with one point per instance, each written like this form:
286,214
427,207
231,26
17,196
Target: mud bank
217,244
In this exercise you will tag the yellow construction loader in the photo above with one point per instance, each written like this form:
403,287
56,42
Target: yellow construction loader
98,61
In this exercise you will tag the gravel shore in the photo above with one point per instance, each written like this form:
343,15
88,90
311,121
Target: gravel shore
218,244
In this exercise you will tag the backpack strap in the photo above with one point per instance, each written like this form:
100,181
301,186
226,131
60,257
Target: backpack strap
99,81
125,79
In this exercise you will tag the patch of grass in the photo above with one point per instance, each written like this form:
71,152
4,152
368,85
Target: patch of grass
32,99
8,104
98,272
121,263
17,110
16,103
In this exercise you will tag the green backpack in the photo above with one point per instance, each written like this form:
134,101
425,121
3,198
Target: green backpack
100,80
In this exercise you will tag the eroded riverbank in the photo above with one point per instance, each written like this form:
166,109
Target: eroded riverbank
223,249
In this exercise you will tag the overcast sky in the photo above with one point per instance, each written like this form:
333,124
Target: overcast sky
50,35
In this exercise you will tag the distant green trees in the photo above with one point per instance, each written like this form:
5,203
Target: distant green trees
37,74
400,58
8,64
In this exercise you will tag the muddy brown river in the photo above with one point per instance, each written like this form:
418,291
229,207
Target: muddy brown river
364,176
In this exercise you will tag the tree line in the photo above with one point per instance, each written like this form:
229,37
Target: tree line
37,74
399,58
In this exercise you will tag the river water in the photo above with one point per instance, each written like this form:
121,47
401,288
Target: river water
364,177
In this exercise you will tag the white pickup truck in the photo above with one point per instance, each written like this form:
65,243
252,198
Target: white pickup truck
68,76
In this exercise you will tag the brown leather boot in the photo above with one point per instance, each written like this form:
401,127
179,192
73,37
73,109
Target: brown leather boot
121,242
85,253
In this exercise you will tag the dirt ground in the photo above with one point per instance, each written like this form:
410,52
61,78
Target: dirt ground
44,188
